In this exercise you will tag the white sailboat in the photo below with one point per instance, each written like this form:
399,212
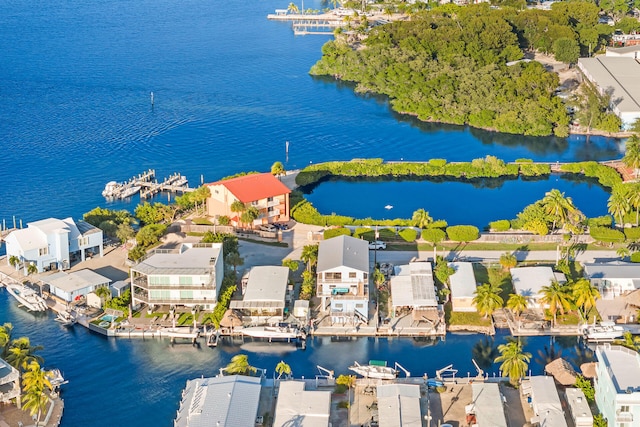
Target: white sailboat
27,297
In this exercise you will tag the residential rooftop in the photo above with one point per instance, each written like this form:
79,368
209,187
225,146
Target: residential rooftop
623,366
343,251
299,407
188,259
75,281
267,283
252,187
463,281
612,270
528,281
413,285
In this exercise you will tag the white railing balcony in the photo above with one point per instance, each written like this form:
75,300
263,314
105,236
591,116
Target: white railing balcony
273,203
624,417
274,212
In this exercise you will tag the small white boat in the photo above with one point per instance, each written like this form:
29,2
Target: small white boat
604,331
387,207
129,191
110,189
65,318
27,297
180,332
377,369
273,332
55,378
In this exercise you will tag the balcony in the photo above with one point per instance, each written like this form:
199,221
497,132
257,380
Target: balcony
143,284
171,301
624,416
275,212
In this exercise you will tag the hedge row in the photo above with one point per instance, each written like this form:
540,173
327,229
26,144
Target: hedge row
607,176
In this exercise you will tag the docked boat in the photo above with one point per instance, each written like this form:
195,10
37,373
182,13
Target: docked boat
213,338
377,369
110,189
129,191
55,378
280,332
27,297
65,318
604,331
180,332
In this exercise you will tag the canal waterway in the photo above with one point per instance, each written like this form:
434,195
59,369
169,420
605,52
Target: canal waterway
230,88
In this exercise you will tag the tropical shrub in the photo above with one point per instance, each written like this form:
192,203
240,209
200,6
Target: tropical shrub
500,225
408,234
334,232
606,235
149,234
635,257
586,386
600,221
434,235
463,233
606,175
438,223
632,234
136,253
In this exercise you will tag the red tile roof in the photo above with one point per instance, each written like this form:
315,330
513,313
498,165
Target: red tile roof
249,188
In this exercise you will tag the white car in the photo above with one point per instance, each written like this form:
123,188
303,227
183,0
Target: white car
377,245
268,227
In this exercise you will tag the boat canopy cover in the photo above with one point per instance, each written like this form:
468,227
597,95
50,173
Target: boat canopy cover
377,363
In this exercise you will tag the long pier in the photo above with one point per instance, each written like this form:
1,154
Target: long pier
175,183
147,185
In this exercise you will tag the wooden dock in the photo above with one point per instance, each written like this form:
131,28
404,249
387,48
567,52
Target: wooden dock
147,185
175,183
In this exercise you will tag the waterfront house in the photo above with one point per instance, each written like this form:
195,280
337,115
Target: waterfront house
617,385
545,401
413,289
53,244
223,401
190,275
463,286
528,282
399,405
260,190
613,278
119,287
487,405
265,297
343,279
9,383
578,407
69,287
299,407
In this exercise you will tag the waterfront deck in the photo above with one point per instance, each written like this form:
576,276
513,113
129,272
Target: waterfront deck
147,185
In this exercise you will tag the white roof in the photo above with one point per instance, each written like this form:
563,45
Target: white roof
622,365
463,281
399,405
578,406
612,270
189,259
53,225
267,283
619,75
28,238
487,404
344,251
121,284
546,402
414,287
528,281
220,401
302,408
75,281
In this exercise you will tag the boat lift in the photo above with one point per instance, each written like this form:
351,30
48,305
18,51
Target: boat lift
447,370
400,367
326,376
480,371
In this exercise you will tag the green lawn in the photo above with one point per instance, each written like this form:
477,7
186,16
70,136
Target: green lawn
464,318
494,275
201,221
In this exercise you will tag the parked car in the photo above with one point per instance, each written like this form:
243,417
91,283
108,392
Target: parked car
377,245
268,227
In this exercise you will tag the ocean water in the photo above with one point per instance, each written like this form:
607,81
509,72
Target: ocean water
230,88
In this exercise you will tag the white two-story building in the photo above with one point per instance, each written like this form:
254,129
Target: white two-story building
617,385
343,279
53,244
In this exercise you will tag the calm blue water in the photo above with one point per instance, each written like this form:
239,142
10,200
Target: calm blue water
475,203
230,88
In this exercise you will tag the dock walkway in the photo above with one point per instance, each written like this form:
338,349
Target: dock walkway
147,185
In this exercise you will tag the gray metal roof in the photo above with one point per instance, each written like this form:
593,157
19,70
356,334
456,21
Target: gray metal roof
546,402
463,281
219,401
344,251
85,228
414,287
299,407
578,405
75,281
267,283
487,404
621,364
399,405
188,259
612,270
528,281
616,74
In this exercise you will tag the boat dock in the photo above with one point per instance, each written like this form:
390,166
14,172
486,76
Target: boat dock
147,185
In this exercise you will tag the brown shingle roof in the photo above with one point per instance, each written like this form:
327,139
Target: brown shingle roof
252,187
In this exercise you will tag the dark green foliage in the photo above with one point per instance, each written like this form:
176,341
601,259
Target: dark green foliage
229,242
224,298
635,257
120,303
600,221
334,232
136,253
586,386
632,234
149,234
442,270
463,233
109,227
150,214
500,225
534,169
449,65
607,176
566,50
99,215
434,235
606,235
408,234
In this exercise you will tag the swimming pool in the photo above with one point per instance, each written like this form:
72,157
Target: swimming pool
108,317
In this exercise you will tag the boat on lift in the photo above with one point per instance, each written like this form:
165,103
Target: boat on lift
378,369
27,297
66,318
180,332
279,332
604,331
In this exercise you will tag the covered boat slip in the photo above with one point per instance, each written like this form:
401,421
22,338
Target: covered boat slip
487,405
413,287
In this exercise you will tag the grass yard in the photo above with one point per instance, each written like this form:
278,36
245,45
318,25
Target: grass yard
464,318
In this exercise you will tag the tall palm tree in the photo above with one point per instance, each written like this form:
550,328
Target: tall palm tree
618,204
239,365
35,384
508,260
14,261
557,296
283,368
515,361
634,200
517,303
238,207
103,293
277,169
584,295
487,298
234,259
421,218
632,153
292,8
310,256
557,205
21,353
5,338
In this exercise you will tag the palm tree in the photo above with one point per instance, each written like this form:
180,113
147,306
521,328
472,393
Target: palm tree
618,204
14,261
103,293
634,200
277,169
292,264
35,385
557,205
623,252
378,278
310,256
239,365
629,341
32,269
508,260
293,8
283,369
632,153
517,303
5,338
234,259
557,296
21,353
421,218
237,206
585,295
515,361
487,298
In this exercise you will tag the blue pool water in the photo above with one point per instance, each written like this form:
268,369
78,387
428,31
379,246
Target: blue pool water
108,318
